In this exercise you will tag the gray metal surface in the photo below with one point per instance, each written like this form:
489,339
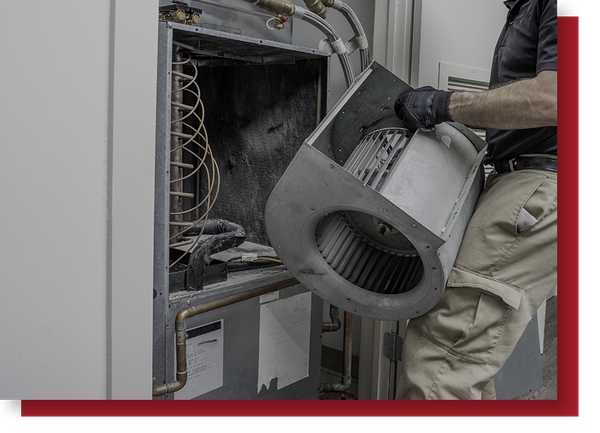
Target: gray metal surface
234,16
161,199
242,334
429,195
392,346
522,372
228,45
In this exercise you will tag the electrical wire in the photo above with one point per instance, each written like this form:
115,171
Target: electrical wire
268,258
238,263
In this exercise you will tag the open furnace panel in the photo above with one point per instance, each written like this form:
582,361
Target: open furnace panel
232,111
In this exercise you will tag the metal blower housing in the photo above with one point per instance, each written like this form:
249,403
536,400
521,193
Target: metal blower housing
370,217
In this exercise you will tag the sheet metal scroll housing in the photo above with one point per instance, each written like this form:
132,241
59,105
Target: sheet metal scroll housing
369,217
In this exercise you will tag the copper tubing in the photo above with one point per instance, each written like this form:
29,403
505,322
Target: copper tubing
186,313
335,324
277,7
317,7
347,371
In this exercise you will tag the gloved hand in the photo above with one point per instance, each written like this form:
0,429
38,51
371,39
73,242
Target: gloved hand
423,107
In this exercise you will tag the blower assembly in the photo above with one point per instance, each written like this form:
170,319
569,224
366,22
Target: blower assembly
370,217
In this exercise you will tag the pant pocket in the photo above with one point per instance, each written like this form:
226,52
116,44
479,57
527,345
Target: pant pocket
489,317
466,321
539,204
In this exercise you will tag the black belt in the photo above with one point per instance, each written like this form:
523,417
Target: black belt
526,163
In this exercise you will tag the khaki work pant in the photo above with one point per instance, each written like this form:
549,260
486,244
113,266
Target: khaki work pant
505,269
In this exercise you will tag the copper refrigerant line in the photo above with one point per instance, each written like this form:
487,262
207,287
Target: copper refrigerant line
189,312
190,140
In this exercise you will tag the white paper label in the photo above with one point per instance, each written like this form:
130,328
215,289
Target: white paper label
204,347
284,341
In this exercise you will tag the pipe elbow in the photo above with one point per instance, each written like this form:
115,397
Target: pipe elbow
317,7
166,388
335,324
277,7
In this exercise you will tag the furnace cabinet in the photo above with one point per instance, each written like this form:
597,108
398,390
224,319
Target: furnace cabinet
223,143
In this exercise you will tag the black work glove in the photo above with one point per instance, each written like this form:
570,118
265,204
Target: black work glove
423,107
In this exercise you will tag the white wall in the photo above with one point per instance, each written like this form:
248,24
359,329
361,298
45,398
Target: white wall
132,127
60,218
54,202
457,32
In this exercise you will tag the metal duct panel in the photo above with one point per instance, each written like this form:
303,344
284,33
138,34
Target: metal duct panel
216,45
235,17
369,217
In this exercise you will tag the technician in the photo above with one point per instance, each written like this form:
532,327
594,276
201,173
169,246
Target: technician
506,266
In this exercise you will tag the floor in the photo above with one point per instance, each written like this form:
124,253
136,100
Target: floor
548,359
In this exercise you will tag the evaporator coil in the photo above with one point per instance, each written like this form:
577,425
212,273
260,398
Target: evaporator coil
369,216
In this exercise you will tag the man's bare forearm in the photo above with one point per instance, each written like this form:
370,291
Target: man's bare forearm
521,104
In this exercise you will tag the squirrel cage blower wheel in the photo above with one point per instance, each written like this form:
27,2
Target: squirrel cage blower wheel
370,217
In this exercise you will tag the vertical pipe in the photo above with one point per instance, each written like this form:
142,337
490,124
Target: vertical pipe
176,141
181,326
359,32
347,354
347,372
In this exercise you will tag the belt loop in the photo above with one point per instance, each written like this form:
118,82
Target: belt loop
511,164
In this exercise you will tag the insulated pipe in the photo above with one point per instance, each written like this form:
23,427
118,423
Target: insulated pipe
359,32
283,7
225,235
334,39
186,313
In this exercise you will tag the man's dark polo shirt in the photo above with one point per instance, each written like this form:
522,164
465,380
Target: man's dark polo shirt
526,46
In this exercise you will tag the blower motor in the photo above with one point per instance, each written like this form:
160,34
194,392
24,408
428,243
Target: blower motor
369,216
